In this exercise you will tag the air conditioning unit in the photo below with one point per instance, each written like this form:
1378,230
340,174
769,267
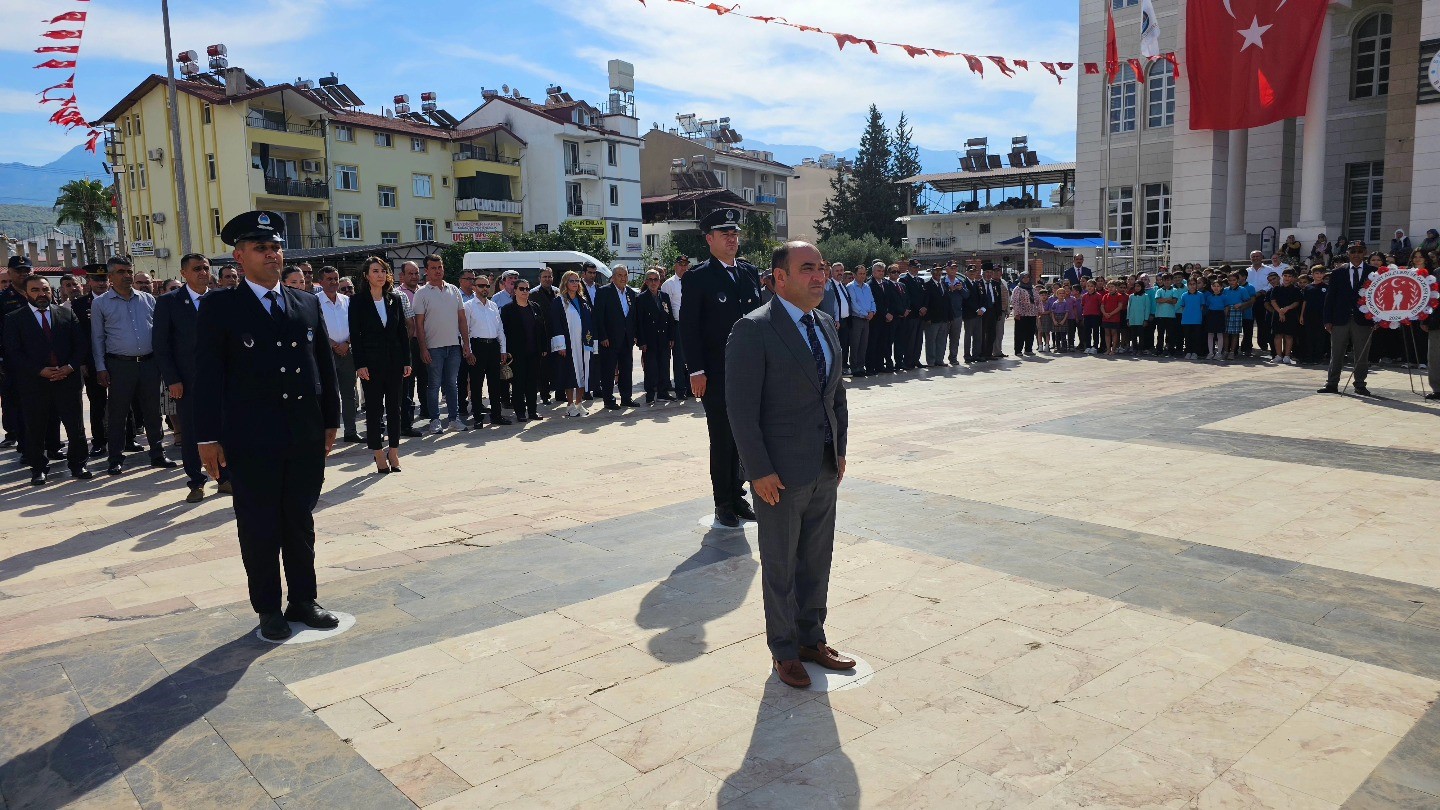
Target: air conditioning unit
312,166
158,219
157,154
162,253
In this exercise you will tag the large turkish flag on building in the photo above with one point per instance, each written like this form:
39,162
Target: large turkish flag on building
1249,60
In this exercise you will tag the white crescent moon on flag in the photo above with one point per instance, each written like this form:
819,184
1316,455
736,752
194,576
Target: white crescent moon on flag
1228,10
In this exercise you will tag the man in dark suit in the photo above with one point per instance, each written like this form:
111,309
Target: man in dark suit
716,294
615,329
267,406
1347,325
839,307
914,293
937,318
589,288
882,326
791,423
1078,272
176,313
655,334
44,350
977,304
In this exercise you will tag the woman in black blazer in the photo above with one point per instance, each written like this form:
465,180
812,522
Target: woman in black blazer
381,346
528,340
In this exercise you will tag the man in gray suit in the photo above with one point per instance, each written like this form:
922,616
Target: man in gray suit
790,421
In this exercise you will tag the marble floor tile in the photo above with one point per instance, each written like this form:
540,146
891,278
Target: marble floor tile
1236,790
1041,748
1133,693
561,781
678,785
956,785
776,744
848,777
425,780
359,679
1041,676
945,729
1123,778
988,647
1377,698
560,726
674,733
433,690
1122,634
1318,755
1207,731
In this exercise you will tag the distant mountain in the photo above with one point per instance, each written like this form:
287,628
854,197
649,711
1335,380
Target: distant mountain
932,161
22,184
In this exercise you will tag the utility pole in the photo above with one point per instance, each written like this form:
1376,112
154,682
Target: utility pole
177,163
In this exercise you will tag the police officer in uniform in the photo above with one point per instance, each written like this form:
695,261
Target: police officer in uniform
267,407
717,293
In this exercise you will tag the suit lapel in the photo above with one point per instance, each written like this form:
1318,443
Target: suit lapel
790,335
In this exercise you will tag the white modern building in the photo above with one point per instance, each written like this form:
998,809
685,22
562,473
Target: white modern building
582,162
1353,168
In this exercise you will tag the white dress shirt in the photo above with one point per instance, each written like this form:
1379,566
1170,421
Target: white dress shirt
260,292
483,319
672,287
337,316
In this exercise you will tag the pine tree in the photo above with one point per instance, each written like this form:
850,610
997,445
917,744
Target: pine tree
864,200
905,162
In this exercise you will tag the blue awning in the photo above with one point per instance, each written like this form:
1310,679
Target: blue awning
1061,241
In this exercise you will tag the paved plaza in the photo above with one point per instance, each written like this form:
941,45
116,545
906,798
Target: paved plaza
1080,582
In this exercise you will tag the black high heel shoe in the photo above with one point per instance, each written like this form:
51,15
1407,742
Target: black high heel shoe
380,467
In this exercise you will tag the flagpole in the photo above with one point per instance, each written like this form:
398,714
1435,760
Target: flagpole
1143,95
1105,203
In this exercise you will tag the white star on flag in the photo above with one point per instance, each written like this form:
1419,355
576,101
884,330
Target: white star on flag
1253,33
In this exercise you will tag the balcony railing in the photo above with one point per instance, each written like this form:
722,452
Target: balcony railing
285,187
281,126
480,154
928,244
308,242
491,206
588,211
582,170
767,199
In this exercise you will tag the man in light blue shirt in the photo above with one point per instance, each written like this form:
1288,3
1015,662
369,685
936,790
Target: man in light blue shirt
862,309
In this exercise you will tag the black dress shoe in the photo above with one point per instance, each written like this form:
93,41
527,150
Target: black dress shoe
354,438
411,433
37,478
1363,390
501,421
535,417
163,464
312,615
1432,396
727,518
611,406
133,447
666,397
743,510
114,469
97,450
629,403
274,627
521,418
1329,389
55,455
82,473
197,494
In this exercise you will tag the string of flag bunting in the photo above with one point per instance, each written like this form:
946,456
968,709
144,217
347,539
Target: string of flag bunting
66,57
1005,65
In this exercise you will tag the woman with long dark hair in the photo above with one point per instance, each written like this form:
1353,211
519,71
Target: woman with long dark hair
382,357
528,340
572,337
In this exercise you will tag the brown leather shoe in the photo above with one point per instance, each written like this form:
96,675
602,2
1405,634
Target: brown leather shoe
793,673
826,656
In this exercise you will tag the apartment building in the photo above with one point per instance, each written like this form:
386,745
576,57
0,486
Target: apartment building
711,148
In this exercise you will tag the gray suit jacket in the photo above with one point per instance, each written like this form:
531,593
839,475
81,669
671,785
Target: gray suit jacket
772,392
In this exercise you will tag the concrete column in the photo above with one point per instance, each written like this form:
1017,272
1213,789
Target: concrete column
1236,164
1312,148
4,249
32,249
52,252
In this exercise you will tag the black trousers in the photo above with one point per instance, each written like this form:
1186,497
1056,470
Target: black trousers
275,496
656,362
419,380
617,356
189,450
462,389
1195,339
15,425
987,333
797,541
42,404
96,393
487,367
1167,335
882,340
726,482
134,384
677,360
1025,334
1247,335
906,330
522,384
382,406
844,329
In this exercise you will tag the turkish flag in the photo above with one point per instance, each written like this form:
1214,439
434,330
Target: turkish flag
1249,60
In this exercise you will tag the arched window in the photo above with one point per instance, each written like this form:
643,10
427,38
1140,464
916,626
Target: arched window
1370,57
1123,100
1160,95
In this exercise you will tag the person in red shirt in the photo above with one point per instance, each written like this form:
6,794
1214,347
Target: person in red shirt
1090,318
1112,314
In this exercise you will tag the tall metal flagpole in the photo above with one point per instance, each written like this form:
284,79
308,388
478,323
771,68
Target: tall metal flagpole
1142,105
1105,203
177,163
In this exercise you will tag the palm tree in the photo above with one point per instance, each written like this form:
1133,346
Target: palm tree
86,203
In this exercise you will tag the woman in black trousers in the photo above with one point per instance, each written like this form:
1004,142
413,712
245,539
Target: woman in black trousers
528,340
382,357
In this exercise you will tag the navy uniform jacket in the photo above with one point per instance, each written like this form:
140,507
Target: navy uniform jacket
174,336
262,385
712,305
1342,300
881,293
611,321
653,322
914,294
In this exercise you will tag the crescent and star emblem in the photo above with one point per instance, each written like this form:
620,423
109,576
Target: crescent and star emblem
1252,35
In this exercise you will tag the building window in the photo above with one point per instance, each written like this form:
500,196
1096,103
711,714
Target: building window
345,134
130,176
417,144
782,217
140,170
424,230
387,196
612,153
389,237
614,194
1157,213
422,185
347,178
347,226
210,166
615,233
1122,101
205,114
215,220
1123,3
1160,95
720,175
146,222
749,194
1120,215
984,228
137,118
384,139
134,227
780,188
1364,186
1370,57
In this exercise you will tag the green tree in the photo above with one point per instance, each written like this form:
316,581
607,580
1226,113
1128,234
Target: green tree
566,237
905,162
858,252
864,200
85,203
756,242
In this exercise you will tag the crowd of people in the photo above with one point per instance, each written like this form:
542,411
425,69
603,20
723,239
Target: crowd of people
487,346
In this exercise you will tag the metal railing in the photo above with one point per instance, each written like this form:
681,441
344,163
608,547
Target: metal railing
492,206
479,154
281,126
582,169
589,211
766,199
283,186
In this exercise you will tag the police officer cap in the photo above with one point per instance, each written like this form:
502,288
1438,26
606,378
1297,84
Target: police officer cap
721,219
94,269
255,226
18,263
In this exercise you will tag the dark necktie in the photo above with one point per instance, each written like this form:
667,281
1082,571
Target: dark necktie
49,336
819,355
275,311
1354,277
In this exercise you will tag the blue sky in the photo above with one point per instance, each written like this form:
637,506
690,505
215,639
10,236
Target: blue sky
777,84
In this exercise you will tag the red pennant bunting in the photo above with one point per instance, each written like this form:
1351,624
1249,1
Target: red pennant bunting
68,84
722,10
1139,69
1064,66
1000,63
92,141
69,16
1023,64
768,19
914,51
1091,68
56,63
58,49
975,64
1050,66
846,39
1174,63
942,53
62,33
64,102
